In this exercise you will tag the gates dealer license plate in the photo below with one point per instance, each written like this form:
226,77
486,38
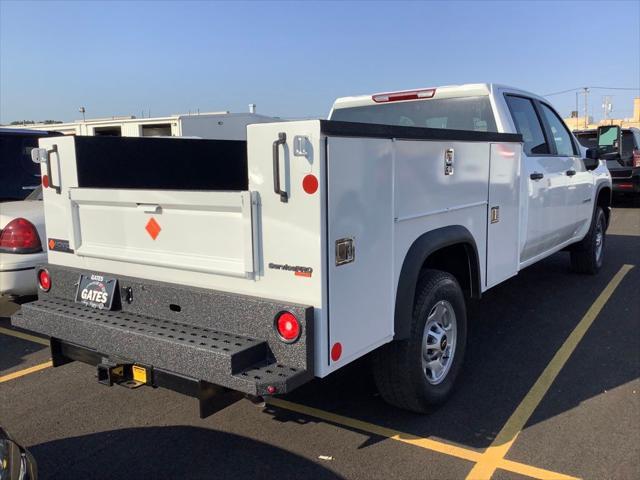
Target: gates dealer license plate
96,291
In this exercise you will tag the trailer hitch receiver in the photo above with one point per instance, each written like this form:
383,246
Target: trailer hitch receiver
125,374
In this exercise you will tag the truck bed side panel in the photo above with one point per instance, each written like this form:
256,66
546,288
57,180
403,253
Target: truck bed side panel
426,199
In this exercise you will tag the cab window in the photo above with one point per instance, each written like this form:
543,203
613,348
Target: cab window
458,113
528,125
628,146
559,132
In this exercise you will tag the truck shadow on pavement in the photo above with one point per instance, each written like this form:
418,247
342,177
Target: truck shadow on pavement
516,329
626,201
14,352
169,452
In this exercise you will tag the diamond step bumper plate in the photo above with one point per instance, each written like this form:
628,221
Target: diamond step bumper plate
233,361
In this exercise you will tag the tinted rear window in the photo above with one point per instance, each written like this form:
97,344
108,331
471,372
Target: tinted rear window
588,140
463,113
627,145
161,163
17,172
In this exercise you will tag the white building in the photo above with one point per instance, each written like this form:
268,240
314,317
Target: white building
214,125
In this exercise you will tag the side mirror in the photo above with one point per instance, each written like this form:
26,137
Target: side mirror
609,142
592,159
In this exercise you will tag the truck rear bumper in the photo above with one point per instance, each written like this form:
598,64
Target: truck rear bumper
211,397
626,180
219,338
627,185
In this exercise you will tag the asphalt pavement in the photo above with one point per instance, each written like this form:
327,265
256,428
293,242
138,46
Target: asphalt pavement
582,421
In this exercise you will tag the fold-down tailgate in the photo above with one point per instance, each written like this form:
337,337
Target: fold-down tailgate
209,232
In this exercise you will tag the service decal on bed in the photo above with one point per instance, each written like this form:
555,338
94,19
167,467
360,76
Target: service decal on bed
297,270
59,245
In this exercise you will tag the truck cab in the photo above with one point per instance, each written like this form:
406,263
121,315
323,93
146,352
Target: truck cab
557,191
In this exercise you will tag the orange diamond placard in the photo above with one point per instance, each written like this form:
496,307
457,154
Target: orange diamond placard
153,228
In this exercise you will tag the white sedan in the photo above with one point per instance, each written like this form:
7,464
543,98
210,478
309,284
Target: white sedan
22,237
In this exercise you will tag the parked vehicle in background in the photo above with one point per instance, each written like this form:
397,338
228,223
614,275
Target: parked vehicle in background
18,174
625,170
22,236
22,230
213,125
258,265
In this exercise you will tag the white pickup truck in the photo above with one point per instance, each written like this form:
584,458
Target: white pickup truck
256,266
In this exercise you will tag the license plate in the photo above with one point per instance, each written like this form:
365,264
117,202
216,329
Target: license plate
96,291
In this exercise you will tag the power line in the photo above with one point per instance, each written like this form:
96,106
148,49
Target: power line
616,88
563,91
582,88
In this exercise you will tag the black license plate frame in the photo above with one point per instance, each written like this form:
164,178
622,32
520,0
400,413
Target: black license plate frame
96,291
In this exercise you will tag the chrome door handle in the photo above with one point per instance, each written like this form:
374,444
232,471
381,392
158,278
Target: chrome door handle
536,176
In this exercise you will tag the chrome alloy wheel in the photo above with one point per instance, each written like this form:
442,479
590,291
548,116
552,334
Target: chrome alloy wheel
439,342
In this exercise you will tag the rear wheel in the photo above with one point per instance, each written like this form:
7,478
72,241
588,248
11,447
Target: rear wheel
420,372
588,255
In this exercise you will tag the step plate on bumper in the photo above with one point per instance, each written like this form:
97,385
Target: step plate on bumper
237,362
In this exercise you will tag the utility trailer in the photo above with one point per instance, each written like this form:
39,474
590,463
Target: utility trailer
255,266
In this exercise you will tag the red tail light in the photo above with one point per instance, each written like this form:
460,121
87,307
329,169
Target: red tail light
44,280
636,158
288,327
408,95
20,236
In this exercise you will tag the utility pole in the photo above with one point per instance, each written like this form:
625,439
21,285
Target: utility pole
606,107
586,109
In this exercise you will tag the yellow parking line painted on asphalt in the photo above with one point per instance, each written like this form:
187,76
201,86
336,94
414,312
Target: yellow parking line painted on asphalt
24,336
531,471
26,371
441,447
493,457
463,453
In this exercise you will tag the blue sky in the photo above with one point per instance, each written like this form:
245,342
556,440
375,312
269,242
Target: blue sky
293,59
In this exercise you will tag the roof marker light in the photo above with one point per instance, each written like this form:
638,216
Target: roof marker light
406,95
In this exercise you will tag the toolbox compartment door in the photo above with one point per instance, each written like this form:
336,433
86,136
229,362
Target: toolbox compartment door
503,214
360,210
211,232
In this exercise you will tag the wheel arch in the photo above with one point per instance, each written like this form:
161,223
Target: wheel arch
604,199
430,250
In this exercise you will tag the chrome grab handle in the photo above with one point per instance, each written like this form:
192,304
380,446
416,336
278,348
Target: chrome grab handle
57,188
282,139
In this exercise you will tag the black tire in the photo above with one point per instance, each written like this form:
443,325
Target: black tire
398,366
588,255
